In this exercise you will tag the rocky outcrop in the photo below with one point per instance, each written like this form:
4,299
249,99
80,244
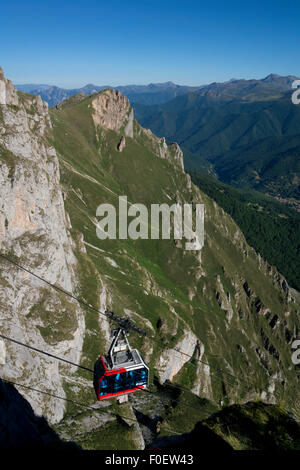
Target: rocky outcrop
121,144
171,361
178,156
111,110
171,152
8,94
223,299
202,386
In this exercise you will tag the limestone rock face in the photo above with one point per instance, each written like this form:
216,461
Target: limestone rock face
33,231
171,361
172,152
8,94
178,154
112,111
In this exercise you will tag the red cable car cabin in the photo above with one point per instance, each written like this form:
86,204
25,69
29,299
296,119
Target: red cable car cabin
121,372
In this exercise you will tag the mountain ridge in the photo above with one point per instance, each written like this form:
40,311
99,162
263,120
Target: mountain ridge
162,92
246,131
148,94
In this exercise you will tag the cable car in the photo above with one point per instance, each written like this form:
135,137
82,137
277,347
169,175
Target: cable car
122,371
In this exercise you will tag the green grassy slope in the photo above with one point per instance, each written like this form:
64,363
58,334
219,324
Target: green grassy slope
255,426
226,296
252,426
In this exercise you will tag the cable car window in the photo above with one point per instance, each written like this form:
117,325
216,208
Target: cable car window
107,385
119,382
123,381
129,382
141,377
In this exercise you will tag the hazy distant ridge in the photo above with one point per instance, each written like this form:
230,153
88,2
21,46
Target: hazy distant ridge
154,93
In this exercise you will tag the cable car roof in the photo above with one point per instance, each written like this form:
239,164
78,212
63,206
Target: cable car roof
124,359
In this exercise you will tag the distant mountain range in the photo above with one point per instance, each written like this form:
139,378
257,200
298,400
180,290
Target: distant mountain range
246,132
154,93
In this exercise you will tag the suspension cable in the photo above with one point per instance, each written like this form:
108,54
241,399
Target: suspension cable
123,323
89,370
84,405
13,340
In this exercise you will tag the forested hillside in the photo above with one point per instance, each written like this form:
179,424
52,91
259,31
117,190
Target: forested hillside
270,227
246,130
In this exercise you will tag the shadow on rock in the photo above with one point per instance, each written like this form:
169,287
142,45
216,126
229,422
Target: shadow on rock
21,428
201,438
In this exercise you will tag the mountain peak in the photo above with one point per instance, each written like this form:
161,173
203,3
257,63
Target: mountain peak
272,77
8,94
168,84
90,86
112,111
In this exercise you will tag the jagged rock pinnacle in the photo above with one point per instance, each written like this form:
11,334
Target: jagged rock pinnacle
112,111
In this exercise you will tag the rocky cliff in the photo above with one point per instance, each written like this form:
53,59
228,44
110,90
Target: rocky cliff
33,229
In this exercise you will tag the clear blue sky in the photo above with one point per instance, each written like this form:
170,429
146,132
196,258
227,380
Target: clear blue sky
71,43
